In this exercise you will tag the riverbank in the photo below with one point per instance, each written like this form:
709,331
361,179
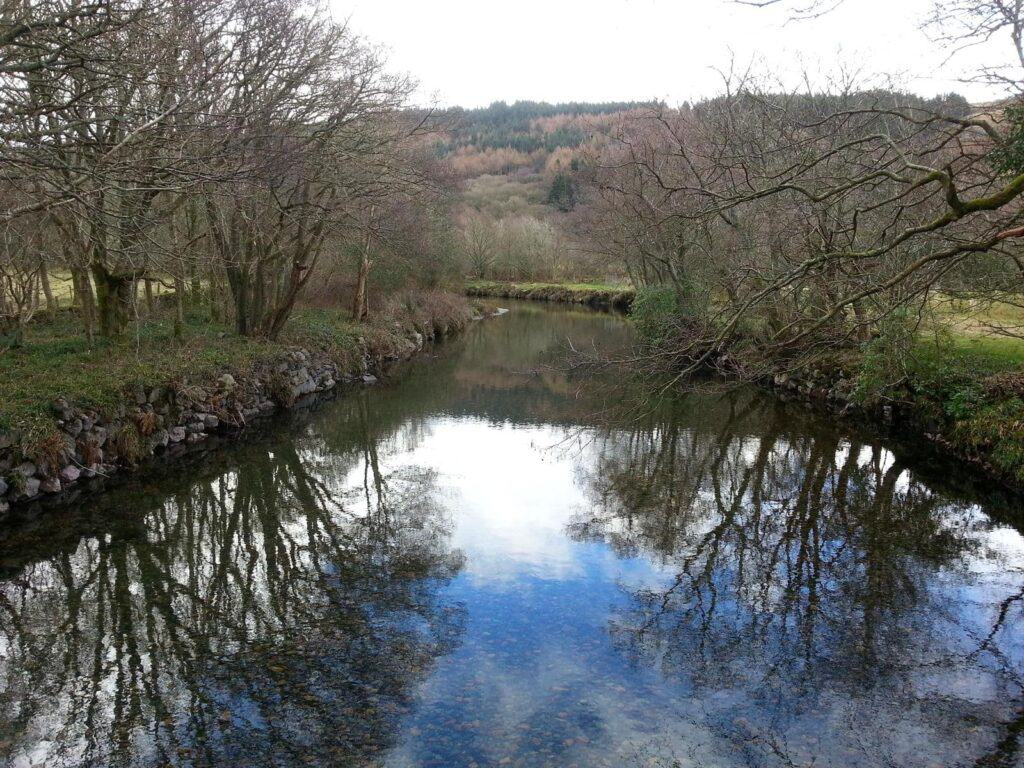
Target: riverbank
596,295
967,401
963,395
73,412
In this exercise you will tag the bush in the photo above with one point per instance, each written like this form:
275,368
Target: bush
998,430
656,313
886,365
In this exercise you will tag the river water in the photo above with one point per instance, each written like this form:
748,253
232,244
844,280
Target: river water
499,560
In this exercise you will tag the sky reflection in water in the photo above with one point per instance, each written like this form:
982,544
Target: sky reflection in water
465,569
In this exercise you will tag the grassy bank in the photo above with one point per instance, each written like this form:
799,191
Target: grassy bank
943,375
592,294
966,394
56,361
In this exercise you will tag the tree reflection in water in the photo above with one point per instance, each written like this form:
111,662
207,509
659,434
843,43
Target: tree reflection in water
781,595
813,589
280,613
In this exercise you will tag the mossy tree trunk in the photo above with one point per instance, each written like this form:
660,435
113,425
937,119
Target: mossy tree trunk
113,299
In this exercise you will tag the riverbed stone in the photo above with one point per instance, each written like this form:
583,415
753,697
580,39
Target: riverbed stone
3,487
50,485
194,427
369,378
209,420
176,434
26,468
70,474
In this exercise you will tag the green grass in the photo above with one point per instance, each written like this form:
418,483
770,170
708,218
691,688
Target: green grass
595,287
970,389
57,361
1001,350
972,327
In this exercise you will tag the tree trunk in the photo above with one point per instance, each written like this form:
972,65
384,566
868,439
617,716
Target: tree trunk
85,300
114,296
44,280
179,307
10,328
217,295
238,282
863,326
359,303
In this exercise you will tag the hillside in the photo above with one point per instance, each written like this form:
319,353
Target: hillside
518,165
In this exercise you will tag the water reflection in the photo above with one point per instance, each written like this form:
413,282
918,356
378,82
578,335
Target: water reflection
821,602
279,613
475,567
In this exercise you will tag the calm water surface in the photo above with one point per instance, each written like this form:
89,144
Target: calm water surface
474,566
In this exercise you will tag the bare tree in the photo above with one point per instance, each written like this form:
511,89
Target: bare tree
801,222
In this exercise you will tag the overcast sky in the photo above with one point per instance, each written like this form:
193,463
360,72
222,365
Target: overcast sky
473,52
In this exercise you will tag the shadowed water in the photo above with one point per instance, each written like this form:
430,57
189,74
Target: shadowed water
483,564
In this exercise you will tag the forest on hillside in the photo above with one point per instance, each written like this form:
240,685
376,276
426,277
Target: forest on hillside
520,171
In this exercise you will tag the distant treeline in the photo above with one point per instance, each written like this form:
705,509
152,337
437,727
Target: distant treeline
516,126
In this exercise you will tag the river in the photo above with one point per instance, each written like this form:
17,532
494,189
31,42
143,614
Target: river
496,559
